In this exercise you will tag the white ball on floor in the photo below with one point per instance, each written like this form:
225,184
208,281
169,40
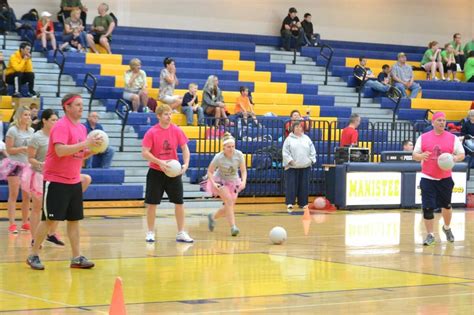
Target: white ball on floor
105,141
174,168
278,235
446,161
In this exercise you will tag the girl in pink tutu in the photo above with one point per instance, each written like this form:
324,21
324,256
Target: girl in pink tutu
224,182
16,142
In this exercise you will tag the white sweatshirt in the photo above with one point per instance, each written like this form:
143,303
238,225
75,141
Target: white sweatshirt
299,149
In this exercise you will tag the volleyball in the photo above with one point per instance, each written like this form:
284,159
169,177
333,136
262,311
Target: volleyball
174,168
446,161
278,235
105,141
320,203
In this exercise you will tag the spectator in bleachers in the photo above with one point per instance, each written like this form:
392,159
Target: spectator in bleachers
16,141
468,48
311,38
168,81
135,89
74,44
68,6
291,26
295,115
74,29
20,70
100,160
384,76
458,50
370,78
402,74
468,124
102,28
298,156
45,31
350,135
449,62
243,107
407,145
469,67
35,121
432,61
212,100
190,105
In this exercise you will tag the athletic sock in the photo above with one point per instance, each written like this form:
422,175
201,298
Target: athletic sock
446,227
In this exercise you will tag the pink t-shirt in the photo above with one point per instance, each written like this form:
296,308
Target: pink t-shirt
437,145
66,169
164,143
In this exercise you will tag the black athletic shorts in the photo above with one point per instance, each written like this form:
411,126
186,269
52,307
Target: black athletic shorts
98,36
158,183
62,202
436,193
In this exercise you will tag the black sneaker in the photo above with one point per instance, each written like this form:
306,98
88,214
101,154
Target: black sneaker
33,94
449,235
55,240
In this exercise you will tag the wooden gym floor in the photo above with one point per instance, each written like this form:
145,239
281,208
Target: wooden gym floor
363,262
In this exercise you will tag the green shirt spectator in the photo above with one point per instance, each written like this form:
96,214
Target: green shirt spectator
427,56
469,68
104,22
457,46
69,4
469,47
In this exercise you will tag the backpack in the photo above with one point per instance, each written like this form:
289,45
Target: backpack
27,33
32,15
267,157
114,18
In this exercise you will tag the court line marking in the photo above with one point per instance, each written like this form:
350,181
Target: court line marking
330,304
31,297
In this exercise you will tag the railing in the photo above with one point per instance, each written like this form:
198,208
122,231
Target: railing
61,68
4,45
90,89
361,74
122,109
326,52
395,96
427,114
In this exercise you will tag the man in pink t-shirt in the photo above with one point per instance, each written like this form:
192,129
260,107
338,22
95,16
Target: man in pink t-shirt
62,197
436,184
160,145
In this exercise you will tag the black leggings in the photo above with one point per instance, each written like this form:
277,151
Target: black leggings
23,78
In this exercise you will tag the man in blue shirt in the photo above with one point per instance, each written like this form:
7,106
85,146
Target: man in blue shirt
101,160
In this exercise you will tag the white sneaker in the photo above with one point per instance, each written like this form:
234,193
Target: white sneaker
150,237
183,237
289,208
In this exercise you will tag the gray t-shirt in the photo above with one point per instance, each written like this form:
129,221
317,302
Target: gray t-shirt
39,141
21,139
404,73
228,169
165,87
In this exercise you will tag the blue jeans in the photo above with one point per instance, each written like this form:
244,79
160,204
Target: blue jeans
82,38
377,86
188,111
101,160
297,185
414,88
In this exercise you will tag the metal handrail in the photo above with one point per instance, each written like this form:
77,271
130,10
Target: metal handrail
89,89
4,45
61,68
395,96
428,111
123,115
328,58
361,84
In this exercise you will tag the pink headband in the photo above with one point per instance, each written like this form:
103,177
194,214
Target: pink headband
72,99
438,115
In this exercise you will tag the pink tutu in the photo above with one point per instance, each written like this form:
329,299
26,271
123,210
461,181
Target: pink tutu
10,168
32,181
231,185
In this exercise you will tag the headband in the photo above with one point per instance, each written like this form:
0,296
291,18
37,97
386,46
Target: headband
72,99
229,140
438,115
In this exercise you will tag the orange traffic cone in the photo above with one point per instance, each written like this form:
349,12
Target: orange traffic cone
306,220
117,306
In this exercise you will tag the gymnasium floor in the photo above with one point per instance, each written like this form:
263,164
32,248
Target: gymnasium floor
362,262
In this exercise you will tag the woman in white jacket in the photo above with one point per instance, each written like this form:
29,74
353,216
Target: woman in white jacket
298,156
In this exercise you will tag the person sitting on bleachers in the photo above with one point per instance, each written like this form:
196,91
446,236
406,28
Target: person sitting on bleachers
101,160
370,78
295,115
407,145
468,124
384,76
68,7
468,48
168,81
291,26
432,61
311,38
135,90
212,100
102,28
402,74
458,50
73,28
20,70
45,31
469,67
74,43
350,135
449,62
243,107
190,106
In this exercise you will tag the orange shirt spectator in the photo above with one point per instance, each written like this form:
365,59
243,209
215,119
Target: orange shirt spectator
242,104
